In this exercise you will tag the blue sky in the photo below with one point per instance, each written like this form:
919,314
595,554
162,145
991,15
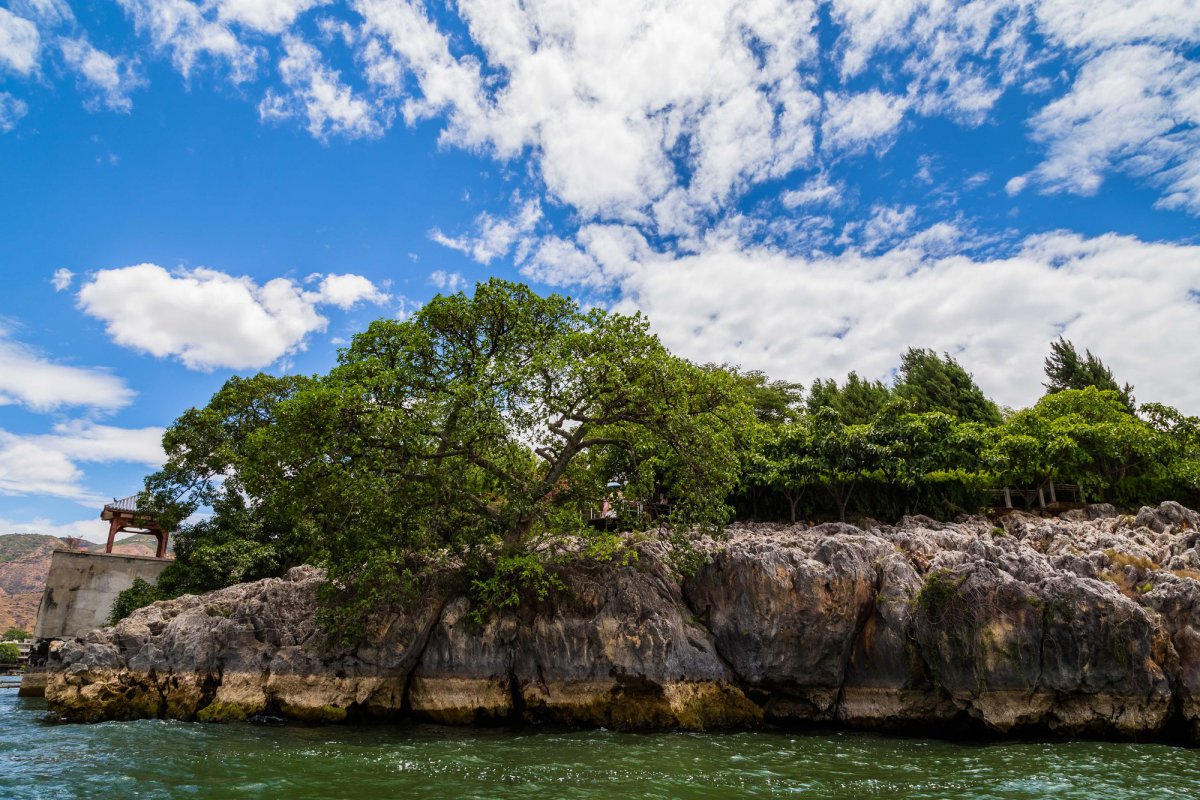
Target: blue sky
194,190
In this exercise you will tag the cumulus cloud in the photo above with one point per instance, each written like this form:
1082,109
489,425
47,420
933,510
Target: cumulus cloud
662,115
110,79
1016,185
316,94
30,380
190,34
267,16
1136,109
19,43
92,529
493,236
821,316
347,291
855,121
209,319
48,464
1095,24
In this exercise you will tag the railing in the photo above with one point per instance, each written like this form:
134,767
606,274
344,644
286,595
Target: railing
1046,494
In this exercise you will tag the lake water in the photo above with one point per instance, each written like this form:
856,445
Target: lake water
155,759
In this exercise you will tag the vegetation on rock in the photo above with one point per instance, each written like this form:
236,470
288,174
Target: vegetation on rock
475,438
477,433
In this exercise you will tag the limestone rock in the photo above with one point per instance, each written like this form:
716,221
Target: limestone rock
1083,624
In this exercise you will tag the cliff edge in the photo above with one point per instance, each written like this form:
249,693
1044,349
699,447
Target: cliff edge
1085,624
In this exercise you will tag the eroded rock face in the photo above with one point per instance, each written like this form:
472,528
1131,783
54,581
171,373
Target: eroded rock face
1087,624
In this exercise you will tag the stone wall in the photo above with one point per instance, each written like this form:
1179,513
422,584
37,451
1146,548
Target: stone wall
82,587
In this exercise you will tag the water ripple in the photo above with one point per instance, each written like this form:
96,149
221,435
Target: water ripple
156,759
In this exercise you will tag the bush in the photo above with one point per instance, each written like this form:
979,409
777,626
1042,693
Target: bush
9,653
15,635
136,596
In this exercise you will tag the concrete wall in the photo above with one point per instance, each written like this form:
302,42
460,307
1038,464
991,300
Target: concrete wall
81,589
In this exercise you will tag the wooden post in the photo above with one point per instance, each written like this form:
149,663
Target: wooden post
112,534
162,545
1053,499
1041,497
1007,498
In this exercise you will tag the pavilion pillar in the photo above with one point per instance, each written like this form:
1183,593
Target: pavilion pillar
113,526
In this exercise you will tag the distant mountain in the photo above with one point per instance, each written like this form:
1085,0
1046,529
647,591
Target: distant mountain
25,563
19,545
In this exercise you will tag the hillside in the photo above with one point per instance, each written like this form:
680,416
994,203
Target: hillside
25,563
18,545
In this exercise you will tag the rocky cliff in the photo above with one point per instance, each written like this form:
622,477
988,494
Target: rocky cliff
1085,624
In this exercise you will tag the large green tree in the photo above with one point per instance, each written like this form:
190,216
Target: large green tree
856,401
1067,369
933,383
476,433
1084,436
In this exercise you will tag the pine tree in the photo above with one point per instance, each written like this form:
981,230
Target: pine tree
930,382
857,401
1066,369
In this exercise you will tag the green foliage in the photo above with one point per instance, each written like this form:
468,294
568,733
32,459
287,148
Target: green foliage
469,442
933,383
939,595
15,635
856,402
477,432
1066,369
512,580
9,653
1084,436
936,445
140,594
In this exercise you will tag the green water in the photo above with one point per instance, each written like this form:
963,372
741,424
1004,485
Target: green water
153,759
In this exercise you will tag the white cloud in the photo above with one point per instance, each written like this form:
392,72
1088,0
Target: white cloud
11,110
606,96
1135,109
48,464
93,530
30,380
316,94
1016,185
347,291
182,29
267,16
801,318
110,79
1105,23
855,121
46,13
62,279
19,43
494,236
210,319
958,57
447,281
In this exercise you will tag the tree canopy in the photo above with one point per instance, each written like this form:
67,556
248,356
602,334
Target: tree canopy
477,437
1066,369
478,431
856,401
930,382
